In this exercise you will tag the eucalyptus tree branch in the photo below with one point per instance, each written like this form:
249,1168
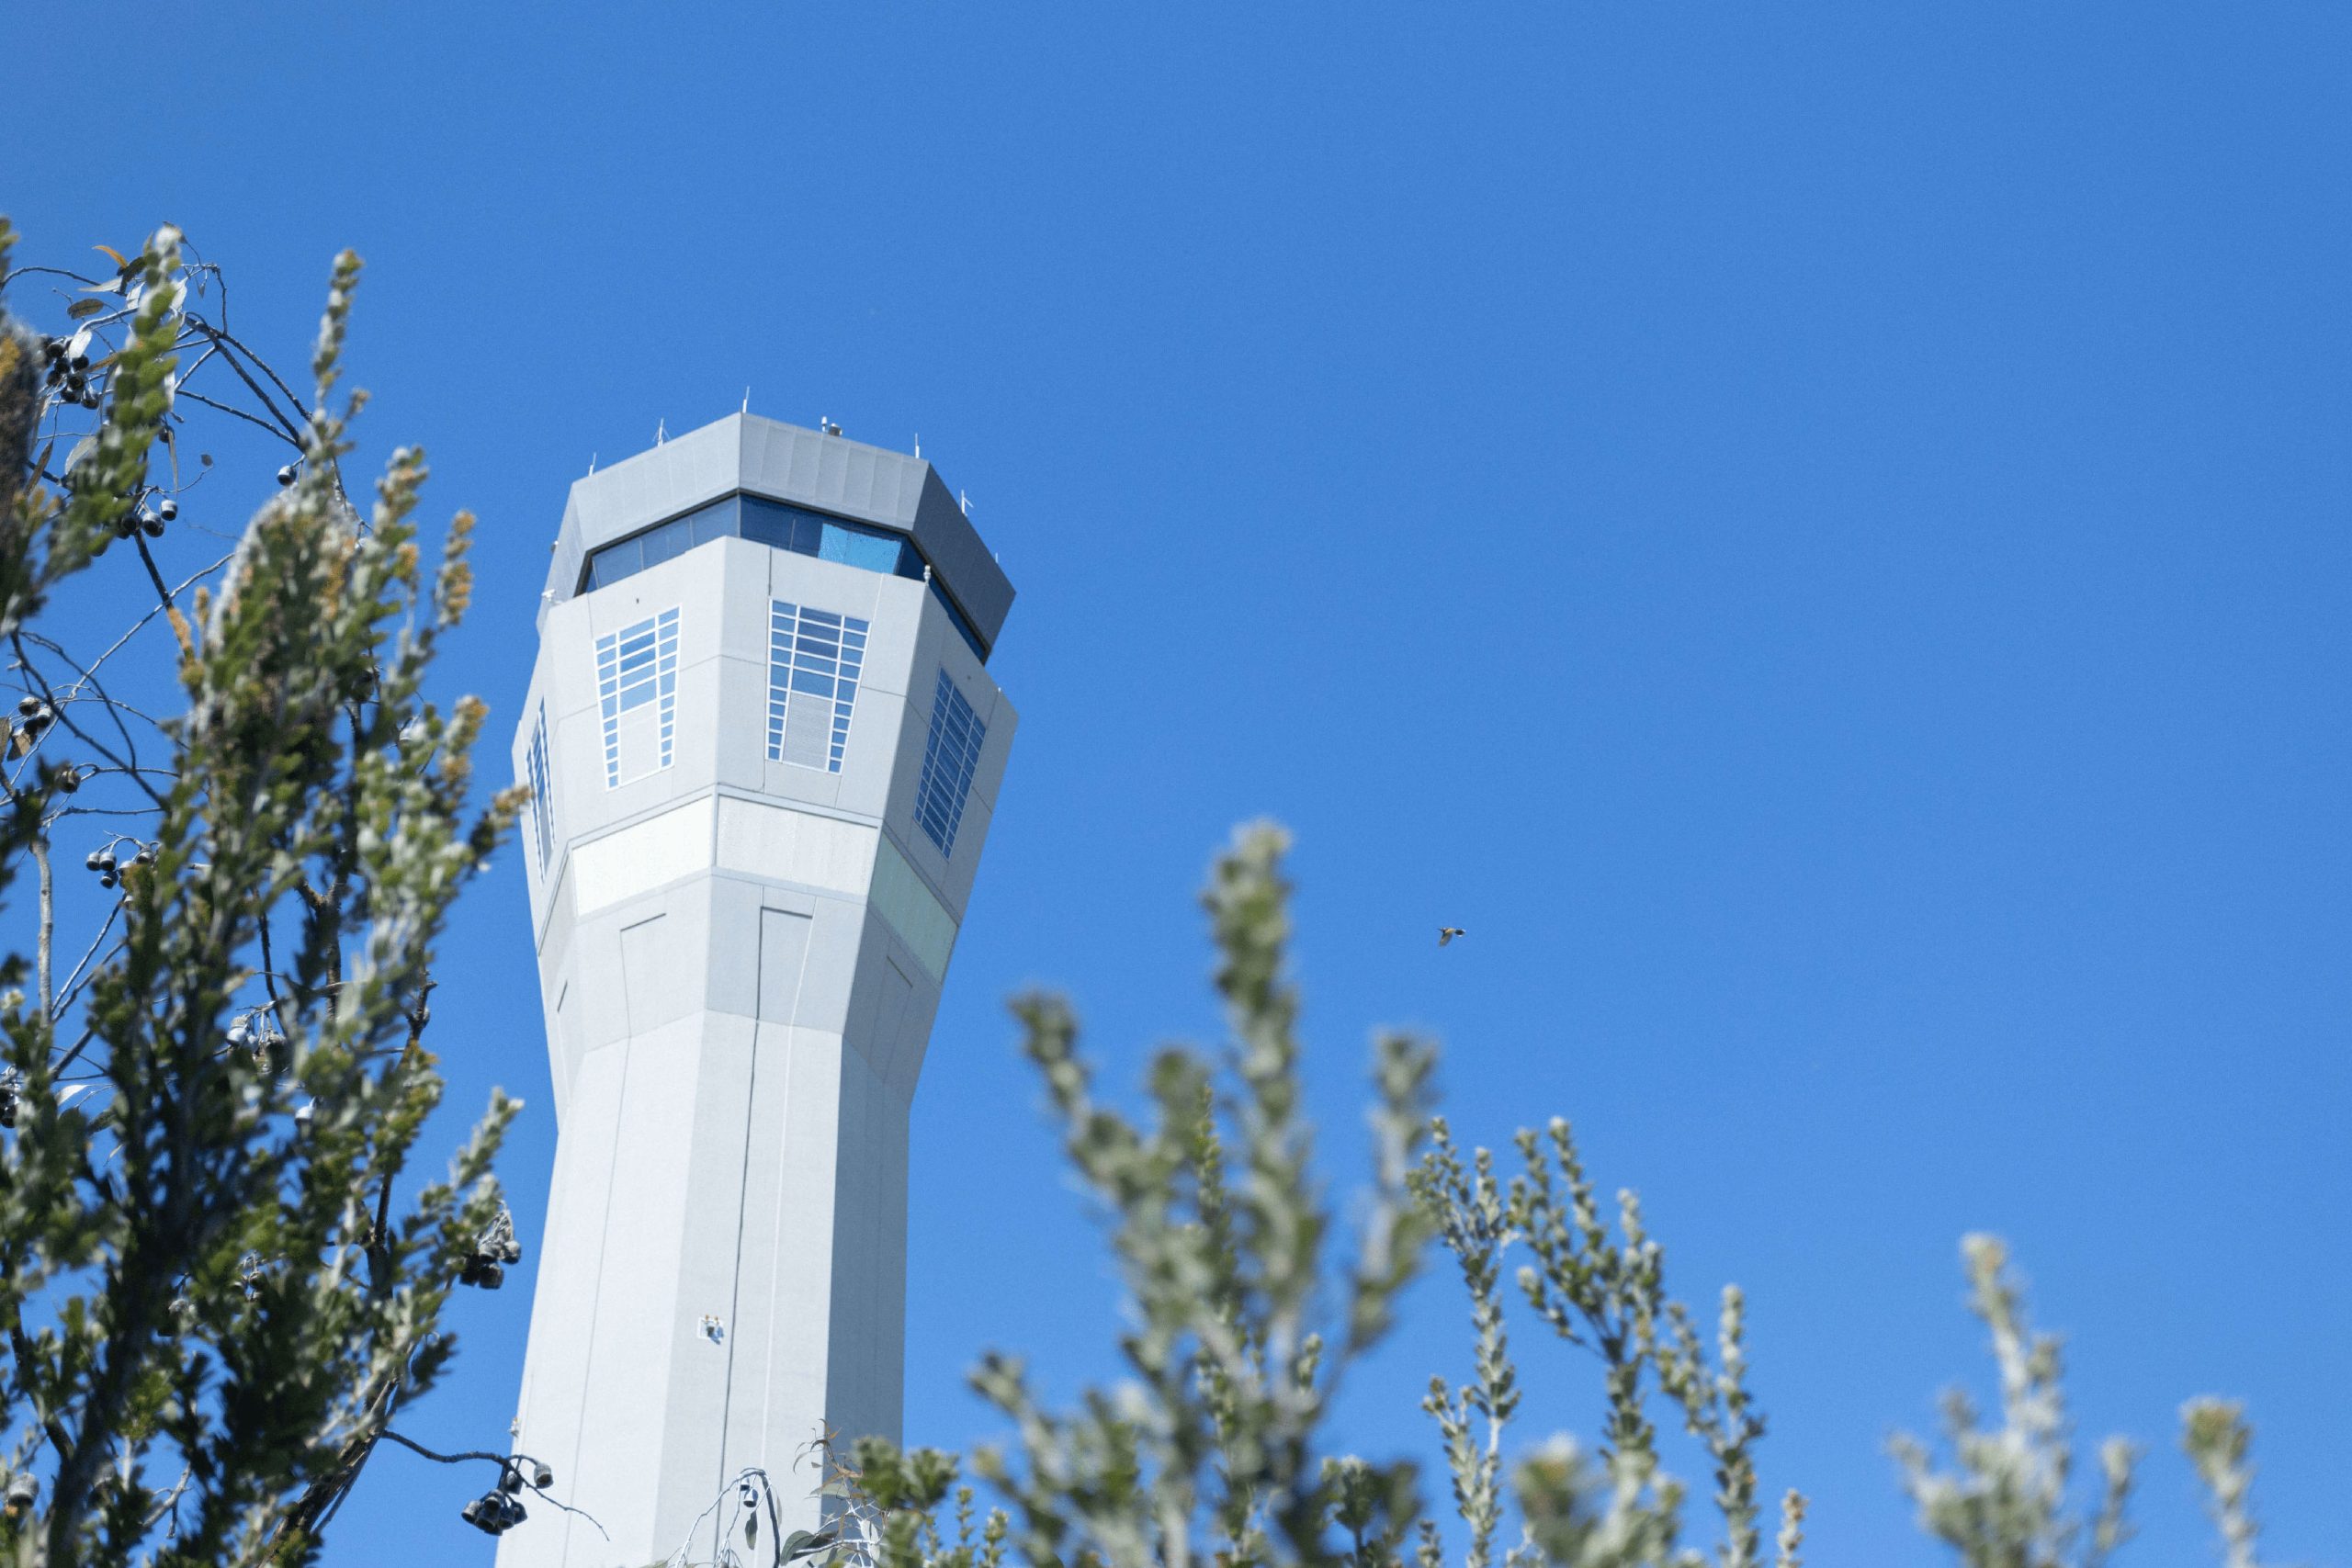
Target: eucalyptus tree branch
289,427
62,706
509,1465
164,593
236,412
199,575
186,1245
220,334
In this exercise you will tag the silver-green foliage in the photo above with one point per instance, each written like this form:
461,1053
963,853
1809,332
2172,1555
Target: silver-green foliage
1213,1448
1241,1325
1603,1291
2005,1498
210,1307
1217,1449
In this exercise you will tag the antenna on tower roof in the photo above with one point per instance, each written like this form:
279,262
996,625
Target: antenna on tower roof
964,500
661,432
918,442
591,462
747,400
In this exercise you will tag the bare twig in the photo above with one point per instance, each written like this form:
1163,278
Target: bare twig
291,428
162,591
46,935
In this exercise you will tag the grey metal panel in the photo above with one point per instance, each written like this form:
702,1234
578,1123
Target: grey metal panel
952,546
563,566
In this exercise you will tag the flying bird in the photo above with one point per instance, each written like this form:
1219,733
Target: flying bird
1447,934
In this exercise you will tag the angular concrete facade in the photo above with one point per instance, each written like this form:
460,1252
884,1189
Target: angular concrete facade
744,898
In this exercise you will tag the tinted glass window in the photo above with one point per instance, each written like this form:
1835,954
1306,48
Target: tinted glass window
780,527
614,562
766,524
670,539
716,521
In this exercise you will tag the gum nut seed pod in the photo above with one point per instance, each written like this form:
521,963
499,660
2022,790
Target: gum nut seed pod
106,859
70,780
89,400
29,704
286,475
168,511
153,528
238,1033
107,880
146,855
543,1478
90,860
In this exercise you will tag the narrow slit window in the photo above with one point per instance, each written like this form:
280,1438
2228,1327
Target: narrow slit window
949,757
814,661
636,688
542,791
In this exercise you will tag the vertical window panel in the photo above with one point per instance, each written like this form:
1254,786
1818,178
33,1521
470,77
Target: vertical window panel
951,755
542,791
814,659
636,696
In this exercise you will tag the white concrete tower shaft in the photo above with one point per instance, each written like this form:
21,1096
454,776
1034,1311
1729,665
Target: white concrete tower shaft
766,751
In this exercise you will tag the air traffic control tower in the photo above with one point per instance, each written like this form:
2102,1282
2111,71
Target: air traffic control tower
764,749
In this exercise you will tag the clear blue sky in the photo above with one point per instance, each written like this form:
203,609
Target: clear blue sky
1818,532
